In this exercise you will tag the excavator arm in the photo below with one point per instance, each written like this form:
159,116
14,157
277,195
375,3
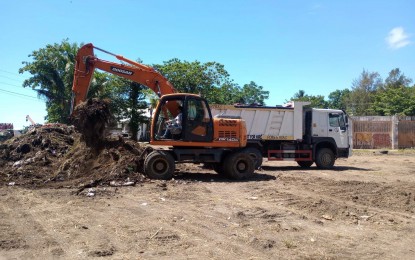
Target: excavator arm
86,63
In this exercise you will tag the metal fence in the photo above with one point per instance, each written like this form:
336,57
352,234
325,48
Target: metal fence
377,132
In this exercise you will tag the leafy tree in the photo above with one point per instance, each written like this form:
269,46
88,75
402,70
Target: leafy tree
397,79
316,101
338,99
252,94
210,80
363,93
128,102
195,77
225,94
52,74
395,97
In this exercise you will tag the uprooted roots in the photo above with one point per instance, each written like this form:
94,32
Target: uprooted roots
90,119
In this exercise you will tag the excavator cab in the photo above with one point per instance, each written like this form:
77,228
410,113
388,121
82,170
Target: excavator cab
182,117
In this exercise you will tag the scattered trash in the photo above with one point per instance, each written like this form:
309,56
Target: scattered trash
17,164
155,234
327,217
119,184
91,192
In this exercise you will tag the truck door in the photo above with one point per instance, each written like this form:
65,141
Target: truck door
337,129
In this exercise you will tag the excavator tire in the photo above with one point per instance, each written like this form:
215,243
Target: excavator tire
255,155
239,166
159,165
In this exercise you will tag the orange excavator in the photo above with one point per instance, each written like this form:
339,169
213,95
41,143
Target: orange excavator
219,141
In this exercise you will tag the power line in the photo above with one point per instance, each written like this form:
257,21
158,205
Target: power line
19,80
10,72
5,83
17,94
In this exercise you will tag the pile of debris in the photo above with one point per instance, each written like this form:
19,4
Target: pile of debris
91,119
54,155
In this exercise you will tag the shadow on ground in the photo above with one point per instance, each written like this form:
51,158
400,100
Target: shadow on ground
214,177
296,168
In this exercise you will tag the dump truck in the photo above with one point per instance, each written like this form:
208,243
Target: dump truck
202,138
294,132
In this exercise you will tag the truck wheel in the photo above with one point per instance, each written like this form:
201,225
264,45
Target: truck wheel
305,164
159,165
238,166
325,158
255,155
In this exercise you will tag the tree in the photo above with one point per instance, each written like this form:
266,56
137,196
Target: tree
395,97
128,102
338,99
52,74
363,92
316,101
397,79
195,77
252,94
210,80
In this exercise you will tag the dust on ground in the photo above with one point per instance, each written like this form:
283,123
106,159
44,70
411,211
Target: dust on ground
60,199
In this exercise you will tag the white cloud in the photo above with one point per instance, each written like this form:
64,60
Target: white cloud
397,38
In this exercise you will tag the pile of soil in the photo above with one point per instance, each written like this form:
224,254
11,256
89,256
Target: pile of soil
59,156
91,119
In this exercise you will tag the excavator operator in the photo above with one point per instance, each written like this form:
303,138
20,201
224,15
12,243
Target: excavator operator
174,126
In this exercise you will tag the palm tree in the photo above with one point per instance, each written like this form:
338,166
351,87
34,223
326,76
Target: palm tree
52,71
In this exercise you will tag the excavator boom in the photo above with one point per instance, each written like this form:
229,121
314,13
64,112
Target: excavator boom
86,63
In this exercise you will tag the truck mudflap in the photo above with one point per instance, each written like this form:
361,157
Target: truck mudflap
290,155
343,152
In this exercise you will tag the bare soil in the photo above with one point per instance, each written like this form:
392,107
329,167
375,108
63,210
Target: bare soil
73,203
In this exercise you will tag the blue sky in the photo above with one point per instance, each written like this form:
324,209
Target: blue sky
284,46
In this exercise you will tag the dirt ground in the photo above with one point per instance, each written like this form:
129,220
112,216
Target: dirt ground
363,209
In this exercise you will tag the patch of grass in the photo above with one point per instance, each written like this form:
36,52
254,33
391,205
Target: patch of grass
289,244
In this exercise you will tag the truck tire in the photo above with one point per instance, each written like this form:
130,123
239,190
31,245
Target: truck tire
238,166
325,158
305,164
159,165
255,155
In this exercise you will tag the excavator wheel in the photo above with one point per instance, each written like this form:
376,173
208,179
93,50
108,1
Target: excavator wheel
255,155
239,166
159,165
